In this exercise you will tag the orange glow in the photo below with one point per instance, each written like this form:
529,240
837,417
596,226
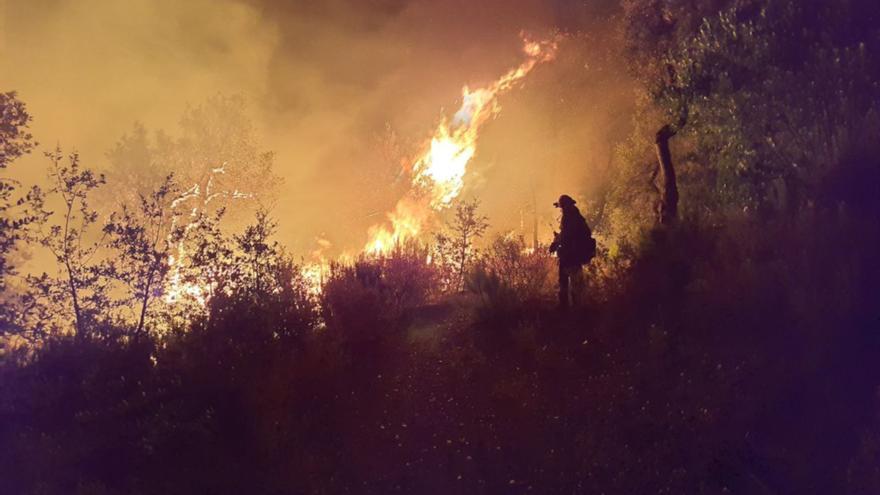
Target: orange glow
315,275
440,169
177,288
437,179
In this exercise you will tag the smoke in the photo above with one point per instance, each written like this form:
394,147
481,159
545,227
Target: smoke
344,91
88,69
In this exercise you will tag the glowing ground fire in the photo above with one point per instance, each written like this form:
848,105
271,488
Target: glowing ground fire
200,198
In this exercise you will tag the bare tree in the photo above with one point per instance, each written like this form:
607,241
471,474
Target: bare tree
456,248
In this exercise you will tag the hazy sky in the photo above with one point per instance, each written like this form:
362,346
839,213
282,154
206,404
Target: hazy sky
340,89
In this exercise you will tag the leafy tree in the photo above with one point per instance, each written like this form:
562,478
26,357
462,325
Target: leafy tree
15,141
86,278
654,29
213,273
258,256
18,214
136,165
216,159
15,216
774,95
142,241
257,290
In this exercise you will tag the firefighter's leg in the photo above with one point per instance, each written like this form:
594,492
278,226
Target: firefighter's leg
563,286
576,275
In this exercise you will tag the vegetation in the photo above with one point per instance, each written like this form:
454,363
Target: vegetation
725,345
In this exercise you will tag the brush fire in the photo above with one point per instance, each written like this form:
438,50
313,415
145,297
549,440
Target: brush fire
438,173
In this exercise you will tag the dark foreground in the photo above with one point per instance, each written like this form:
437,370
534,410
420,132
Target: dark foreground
690,377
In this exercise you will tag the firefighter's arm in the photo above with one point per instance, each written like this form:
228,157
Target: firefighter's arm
554,246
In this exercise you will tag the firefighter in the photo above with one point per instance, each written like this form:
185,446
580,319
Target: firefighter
574,246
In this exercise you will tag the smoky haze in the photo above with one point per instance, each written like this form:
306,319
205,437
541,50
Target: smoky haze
344,92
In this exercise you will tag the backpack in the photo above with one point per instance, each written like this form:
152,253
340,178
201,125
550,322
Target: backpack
579,247
585,247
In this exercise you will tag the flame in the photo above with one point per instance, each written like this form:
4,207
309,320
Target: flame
316,270
438,175
439,171
315,274
407,220
177,288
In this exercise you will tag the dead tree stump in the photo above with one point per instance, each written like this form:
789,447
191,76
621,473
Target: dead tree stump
668,207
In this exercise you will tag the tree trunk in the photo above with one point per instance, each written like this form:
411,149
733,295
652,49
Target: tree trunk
74,297
145,302
668,209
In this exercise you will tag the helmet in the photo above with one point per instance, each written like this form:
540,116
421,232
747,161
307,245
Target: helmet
564,200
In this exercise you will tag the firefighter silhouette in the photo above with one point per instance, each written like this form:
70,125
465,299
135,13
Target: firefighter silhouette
574,246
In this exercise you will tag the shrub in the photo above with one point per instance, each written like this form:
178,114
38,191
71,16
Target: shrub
510,277
528,272
370,297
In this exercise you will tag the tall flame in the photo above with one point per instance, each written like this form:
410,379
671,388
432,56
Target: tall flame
437,179
439,172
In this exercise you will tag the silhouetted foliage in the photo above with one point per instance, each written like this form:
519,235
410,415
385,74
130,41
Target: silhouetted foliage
511,276
733,351
142,240
18,213
81,290
774,93
365,301
261,291
455,249
15,140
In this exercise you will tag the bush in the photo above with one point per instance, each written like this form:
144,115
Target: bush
368,299
526,271
511,279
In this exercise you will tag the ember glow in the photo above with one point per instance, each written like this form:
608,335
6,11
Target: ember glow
196,200
439,171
